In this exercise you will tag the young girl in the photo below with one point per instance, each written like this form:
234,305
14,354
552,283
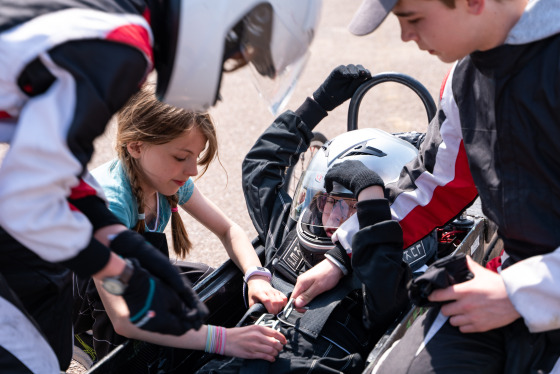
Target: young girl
160,148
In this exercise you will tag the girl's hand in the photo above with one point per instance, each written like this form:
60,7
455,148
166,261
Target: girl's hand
254,342
261,291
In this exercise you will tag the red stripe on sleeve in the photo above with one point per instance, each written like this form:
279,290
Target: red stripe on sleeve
147,15
134,35
447,201
82,190
442,88
4,114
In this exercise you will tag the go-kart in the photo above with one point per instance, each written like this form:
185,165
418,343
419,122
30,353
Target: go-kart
221,291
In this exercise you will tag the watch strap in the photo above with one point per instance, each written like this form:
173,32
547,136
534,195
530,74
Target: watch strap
122,279
127,271
257,270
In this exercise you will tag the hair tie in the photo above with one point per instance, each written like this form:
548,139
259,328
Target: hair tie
174,210
141,216
216,340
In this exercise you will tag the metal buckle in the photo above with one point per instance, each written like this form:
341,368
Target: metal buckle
273,321
288,309
268,320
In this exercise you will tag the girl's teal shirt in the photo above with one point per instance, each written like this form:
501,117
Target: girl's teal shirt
116,186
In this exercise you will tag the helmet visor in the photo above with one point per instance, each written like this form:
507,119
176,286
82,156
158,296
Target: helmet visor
326,212
276,52
334,210
277,90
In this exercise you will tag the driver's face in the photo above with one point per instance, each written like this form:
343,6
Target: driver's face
335,210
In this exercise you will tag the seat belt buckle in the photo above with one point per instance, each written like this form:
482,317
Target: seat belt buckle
288,309
273,321
268,320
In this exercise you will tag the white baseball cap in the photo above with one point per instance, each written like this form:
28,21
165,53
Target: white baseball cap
369,16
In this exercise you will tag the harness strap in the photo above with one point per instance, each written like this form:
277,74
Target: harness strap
321,307
281,284
286,265
288,261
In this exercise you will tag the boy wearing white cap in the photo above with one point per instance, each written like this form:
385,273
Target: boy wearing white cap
495,136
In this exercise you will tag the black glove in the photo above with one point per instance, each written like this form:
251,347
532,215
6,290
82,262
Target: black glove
155,307
352,175
340,85
130,244
441,274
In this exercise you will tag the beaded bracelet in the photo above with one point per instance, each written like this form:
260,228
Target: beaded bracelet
216,340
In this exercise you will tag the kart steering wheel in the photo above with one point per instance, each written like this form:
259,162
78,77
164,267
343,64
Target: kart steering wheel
404,79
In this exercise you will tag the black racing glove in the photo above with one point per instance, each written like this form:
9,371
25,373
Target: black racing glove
441,274
130,244
156,307
340,85
352,175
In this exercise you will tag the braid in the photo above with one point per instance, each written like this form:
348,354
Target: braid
144,119
181,242
130,167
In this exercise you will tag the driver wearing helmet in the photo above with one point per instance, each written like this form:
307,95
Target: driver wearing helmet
320,213
66,66
341,325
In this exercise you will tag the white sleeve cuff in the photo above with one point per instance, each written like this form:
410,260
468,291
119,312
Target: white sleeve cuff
337,263
345,233
533,286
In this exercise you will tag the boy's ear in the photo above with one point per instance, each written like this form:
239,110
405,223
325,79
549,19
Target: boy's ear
475,7
134,149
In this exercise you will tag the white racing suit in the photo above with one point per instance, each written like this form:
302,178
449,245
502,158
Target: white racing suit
496,134
65,68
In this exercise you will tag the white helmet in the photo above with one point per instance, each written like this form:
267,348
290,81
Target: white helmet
201,35
381,152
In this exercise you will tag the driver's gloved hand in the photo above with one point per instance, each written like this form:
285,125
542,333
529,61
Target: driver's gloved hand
190,311
352,175
156,307
340,85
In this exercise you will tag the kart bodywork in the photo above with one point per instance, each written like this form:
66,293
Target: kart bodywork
221,291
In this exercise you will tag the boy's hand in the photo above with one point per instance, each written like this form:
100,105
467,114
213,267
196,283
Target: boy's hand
320,278
260,290
478,305
340,85
254,342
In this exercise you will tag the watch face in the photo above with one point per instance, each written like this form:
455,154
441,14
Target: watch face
113,286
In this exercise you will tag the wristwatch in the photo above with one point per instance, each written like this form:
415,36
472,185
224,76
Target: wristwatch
116,285
257,270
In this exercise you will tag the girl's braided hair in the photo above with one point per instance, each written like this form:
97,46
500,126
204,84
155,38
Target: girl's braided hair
144,118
